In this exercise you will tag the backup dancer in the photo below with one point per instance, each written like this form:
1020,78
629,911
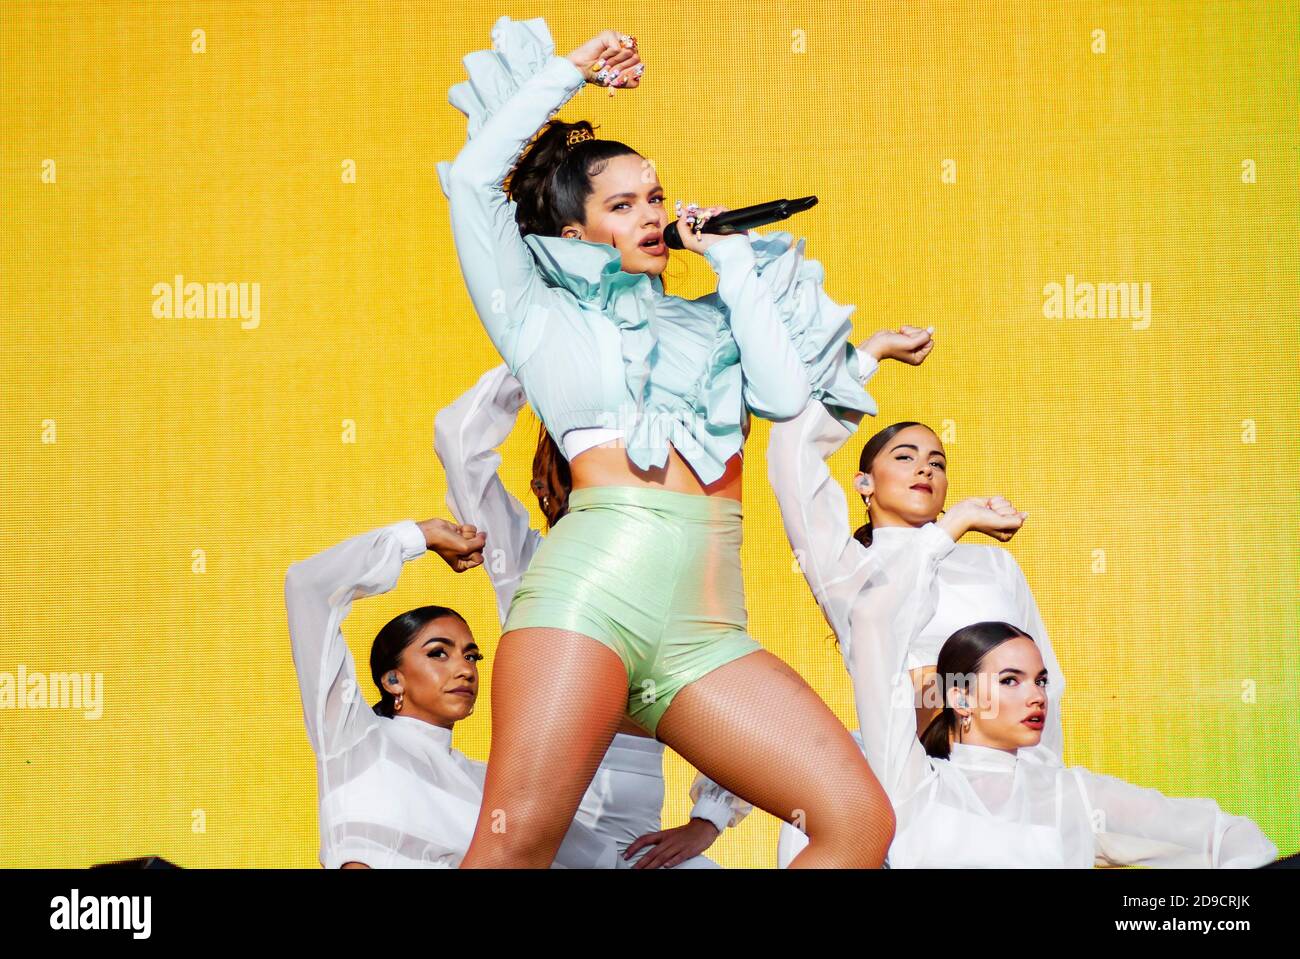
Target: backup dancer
903,480
634,604
626,796
392,791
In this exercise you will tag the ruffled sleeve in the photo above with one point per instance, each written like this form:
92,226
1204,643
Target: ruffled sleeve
819,327
512,90
521,49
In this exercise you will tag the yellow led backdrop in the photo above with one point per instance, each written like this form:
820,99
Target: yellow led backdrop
161,473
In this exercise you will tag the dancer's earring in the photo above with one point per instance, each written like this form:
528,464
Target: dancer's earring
397,703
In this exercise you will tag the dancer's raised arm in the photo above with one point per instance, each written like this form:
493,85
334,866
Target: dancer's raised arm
318,594
875,598
466,436
1031,621
814,509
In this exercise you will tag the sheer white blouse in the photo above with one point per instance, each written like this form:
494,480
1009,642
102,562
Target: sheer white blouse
982,806
392,792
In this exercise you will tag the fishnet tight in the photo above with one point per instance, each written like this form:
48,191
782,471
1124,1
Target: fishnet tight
753,725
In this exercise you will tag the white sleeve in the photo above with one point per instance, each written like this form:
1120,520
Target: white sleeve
715,804
318,594
1136,826
895,603
789,843
814,511
1053,738
875,599
466,435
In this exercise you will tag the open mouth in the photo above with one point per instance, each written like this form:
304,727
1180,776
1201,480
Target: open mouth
1034,721
924,488
654,244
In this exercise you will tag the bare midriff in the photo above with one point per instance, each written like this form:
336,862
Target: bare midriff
608,465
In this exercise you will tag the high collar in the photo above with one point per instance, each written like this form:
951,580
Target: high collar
593,272
426,733
983,757
899,531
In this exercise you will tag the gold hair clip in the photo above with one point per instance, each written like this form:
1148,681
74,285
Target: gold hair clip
577,136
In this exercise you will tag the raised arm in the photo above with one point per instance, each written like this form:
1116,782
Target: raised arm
1136,826
897,600
876,599
466,435
815,513
512,91
318,594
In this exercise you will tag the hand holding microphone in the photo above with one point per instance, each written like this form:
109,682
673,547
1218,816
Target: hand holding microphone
693,218
720,222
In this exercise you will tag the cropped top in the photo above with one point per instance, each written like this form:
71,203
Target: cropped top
594,346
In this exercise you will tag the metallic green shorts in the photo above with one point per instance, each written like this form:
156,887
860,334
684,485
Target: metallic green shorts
652,574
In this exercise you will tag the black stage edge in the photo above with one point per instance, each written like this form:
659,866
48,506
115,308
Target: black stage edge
583,911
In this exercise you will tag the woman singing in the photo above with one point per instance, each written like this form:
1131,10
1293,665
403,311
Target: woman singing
634,604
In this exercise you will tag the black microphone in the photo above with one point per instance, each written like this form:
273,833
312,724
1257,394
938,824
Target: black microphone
744,219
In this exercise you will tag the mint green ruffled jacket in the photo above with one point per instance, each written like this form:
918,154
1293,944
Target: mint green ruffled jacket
594,346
